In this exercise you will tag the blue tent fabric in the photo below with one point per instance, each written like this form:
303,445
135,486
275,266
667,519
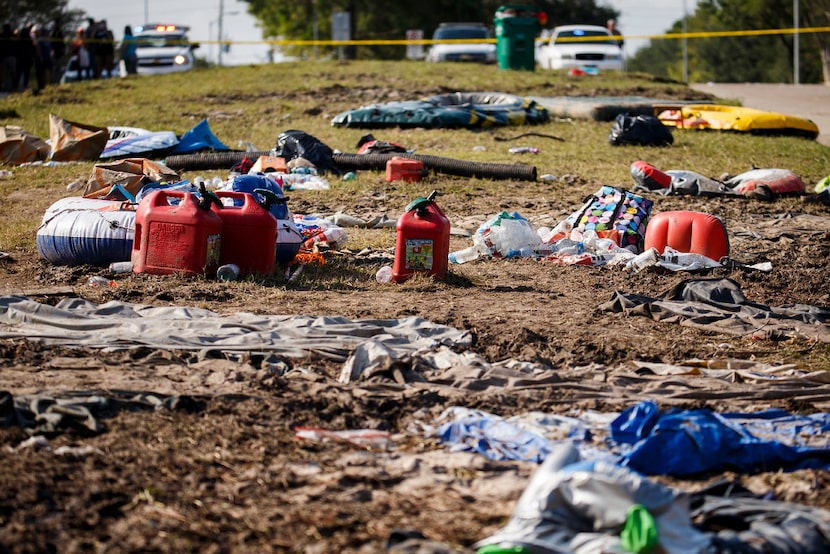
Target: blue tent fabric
687,443
199,138
678,443
457,110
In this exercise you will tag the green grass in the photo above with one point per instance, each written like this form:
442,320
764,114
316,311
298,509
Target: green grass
253,104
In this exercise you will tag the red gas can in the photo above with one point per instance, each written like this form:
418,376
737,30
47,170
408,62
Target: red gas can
249,234
181,238
423,240
399,168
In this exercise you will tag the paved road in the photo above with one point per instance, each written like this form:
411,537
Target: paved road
808,101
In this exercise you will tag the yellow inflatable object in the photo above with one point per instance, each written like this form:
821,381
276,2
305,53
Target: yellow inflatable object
734,118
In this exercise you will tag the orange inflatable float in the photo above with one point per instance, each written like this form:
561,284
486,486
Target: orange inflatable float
686,231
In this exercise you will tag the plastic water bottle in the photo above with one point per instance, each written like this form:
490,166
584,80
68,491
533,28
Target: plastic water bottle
335,237
641,261
98,281
465,255
121,267
228,272
384,274
523,150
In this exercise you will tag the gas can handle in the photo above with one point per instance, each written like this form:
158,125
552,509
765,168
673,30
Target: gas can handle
271,198
208,198
421,203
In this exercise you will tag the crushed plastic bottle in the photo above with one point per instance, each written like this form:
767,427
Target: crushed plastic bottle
121,267
523,150
384,274
228,272
465,255
641,261
98,281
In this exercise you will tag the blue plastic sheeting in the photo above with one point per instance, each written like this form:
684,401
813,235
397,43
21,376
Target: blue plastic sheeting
199,138
677,443
520,438
685,443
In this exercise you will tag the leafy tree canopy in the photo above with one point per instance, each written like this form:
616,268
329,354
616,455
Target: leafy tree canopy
295,20
745,57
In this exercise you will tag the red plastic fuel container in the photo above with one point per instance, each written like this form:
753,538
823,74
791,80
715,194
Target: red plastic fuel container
249,234
423,240
399,168
184,237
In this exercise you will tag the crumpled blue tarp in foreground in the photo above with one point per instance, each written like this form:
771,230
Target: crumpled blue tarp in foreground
678,443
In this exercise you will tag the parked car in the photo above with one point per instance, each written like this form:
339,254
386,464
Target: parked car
163,48
480,52
587,47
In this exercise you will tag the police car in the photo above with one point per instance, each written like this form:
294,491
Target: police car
163,48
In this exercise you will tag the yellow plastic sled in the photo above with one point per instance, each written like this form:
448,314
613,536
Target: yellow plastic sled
734,118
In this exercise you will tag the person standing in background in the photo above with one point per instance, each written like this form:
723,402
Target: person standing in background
58,40
104,50
25,53
8,60
43,57
89,42
81,50
612,28
127,51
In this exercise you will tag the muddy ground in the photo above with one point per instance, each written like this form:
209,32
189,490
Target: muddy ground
224,472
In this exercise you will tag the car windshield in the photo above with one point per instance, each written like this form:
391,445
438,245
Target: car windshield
160,41
460,33
582,36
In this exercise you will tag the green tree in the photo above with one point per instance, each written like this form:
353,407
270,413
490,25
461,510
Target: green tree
744,57
295,20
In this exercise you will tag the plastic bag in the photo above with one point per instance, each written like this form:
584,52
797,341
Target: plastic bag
299,144
641,130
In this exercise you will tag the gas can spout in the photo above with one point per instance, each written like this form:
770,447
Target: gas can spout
432,196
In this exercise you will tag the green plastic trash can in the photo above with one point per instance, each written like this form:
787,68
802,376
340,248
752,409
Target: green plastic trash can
516,28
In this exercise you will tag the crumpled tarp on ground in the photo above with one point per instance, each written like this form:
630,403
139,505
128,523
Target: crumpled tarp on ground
18,146
598,108
718,305
457,110
130,173
679,443
579,507
118,325
71,141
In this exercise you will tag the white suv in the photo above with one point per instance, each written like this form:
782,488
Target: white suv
163,48
481,52
580,47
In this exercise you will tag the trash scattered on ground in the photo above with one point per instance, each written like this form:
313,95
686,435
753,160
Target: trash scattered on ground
764,184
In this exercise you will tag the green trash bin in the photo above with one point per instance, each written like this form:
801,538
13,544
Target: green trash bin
516,28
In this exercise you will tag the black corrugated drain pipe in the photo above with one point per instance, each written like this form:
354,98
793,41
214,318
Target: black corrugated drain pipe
348,162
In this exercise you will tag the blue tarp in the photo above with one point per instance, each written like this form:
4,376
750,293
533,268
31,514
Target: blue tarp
676,443
685,443
197,139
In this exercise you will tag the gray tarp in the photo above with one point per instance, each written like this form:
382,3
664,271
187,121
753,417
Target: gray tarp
719,305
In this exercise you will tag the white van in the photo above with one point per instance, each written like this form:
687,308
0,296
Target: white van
163,48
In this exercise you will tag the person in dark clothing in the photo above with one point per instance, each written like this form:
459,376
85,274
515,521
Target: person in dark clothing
128,51
8,59
612,28
89,41
104,50
25,54
58,40
43,57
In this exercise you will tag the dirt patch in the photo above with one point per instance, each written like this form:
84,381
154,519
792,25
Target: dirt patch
221,470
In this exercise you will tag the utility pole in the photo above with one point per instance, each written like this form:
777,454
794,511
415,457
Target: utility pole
685,45
221,15
796,69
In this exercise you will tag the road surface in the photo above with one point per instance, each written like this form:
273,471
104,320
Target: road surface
808,101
